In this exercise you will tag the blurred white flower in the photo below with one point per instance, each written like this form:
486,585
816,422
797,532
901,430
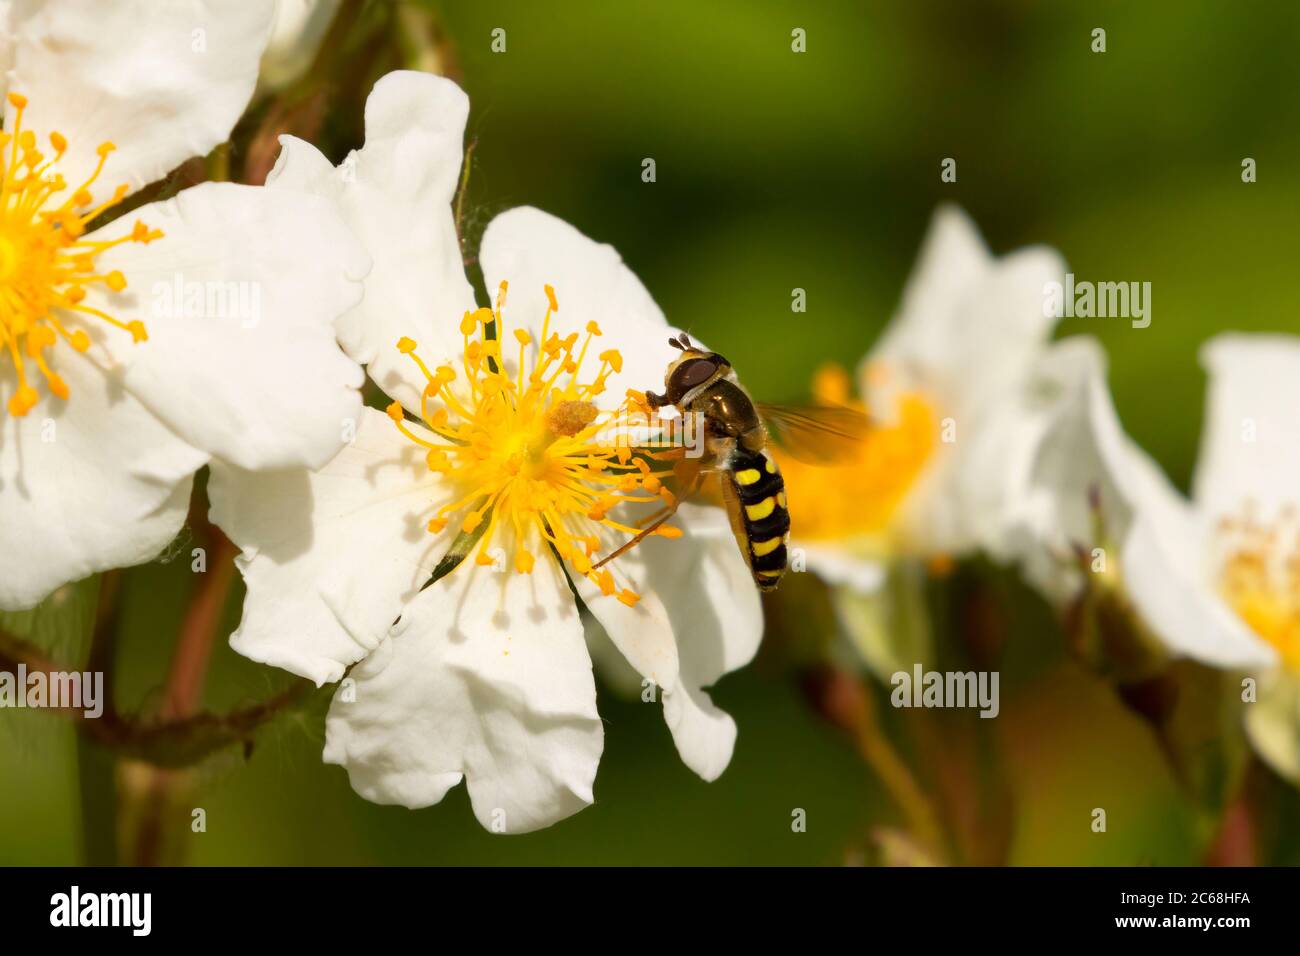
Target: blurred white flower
121,371
485,675
931,478
1216,578
950,388
297,33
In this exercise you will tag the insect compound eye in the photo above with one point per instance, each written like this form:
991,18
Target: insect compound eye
692,373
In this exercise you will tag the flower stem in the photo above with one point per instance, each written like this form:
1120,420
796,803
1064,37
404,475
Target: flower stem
899,782
847,701
155,794
98,795
198,633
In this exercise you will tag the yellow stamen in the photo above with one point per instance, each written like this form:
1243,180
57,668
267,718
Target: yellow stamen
45,264
532,458
859,499
1259,576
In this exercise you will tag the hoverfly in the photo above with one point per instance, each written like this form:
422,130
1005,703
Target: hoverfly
736,432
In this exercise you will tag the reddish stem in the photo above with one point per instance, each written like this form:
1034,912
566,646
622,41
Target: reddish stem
198,633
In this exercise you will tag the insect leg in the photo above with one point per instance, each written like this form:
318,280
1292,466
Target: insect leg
697,476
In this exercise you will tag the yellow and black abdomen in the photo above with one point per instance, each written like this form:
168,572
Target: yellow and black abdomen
760,520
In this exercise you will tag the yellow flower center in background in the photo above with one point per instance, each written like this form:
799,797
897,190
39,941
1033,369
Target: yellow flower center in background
1260,578
45,263
857,499
533,460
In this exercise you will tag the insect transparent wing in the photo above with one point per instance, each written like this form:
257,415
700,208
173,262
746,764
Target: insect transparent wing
816,434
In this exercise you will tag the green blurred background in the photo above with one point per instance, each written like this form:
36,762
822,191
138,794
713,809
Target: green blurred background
820,171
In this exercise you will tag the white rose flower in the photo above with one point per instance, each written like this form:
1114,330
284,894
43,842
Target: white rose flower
1215,578
124,366
485,676
932,476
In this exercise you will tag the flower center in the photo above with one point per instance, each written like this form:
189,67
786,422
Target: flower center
859,497
46,264
1259,576
534,461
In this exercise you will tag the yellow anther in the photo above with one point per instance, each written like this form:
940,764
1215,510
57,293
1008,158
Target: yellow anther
550,296
628,597
394,411
47,263
519,445
614,358
405,346
23,401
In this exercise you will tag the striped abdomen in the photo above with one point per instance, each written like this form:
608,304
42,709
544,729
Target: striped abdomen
761,521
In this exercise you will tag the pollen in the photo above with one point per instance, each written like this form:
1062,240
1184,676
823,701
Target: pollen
537,467
859,498
1259,576
46,262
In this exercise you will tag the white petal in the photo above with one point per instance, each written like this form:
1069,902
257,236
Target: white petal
643,633
968,325
841,566
531,249
331,556
6,44
993,486
89,484
163,81
1163,551
705,734
486,675
1250,452
395,193
1273,722
238,298
714,615
1164,563
1081,451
